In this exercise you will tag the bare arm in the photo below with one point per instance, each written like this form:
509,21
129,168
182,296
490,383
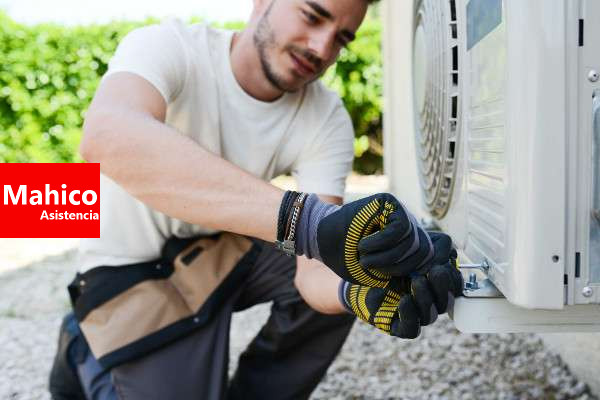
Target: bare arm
124,131
317,284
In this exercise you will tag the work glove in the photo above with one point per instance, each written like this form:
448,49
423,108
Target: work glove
367,241
384,261
405,304
432,291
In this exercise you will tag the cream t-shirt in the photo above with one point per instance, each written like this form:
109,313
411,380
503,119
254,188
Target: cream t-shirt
308,133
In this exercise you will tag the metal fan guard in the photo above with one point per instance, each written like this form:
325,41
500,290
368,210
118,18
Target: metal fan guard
436,79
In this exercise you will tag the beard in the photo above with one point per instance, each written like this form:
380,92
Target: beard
264,40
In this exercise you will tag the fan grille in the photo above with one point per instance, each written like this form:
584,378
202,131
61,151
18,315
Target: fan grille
437,104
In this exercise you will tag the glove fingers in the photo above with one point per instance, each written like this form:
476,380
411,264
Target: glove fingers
433,314
457,282
406,325
398,229
395,263
374,297
440,280
384,261
423,299
442,245
453,256
364,300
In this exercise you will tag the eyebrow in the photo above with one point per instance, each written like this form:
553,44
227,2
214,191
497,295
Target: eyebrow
327,15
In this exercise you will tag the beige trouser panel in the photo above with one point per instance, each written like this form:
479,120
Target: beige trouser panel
152,305
195,278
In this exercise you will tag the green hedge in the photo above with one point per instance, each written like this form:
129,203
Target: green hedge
49,73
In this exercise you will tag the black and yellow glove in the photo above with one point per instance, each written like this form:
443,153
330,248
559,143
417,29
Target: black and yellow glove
368,241
389,309
383,261
432,291
405,304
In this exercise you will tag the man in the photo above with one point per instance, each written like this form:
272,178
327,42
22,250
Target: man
189,125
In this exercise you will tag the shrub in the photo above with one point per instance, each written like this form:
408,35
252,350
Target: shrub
49,73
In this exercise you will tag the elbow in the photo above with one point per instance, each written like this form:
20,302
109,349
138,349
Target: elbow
94,130
86,147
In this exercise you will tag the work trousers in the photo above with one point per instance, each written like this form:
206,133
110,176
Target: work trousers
286,360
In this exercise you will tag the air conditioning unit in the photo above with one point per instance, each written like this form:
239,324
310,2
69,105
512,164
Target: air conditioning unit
492,132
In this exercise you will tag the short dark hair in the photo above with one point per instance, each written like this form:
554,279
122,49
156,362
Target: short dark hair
372,1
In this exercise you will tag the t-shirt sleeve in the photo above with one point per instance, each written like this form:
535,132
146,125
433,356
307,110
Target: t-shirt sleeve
156,53
325,163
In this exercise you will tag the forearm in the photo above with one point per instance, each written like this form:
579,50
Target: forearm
318,286
174,175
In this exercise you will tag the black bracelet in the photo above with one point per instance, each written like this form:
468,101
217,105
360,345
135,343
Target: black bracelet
281,216
292,217
284,210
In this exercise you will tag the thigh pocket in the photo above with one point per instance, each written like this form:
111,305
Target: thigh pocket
126,312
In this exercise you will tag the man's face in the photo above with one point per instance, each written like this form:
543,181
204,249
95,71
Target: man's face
297,40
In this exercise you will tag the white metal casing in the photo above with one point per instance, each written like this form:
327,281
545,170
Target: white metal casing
514,140
522,180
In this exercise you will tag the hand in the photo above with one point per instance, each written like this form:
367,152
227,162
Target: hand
432,292
441,243
405,304
368,241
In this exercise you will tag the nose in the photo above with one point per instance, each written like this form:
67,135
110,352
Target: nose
321,45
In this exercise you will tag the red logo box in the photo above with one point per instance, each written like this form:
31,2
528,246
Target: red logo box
50,200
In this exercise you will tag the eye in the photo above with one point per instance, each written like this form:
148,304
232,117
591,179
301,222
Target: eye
341,41
310,17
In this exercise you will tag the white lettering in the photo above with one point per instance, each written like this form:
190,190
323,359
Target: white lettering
49,193
8,191
64,201
89,202
65,215
72,200
35,197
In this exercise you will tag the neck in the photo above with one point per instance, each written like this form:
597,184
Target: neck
247,68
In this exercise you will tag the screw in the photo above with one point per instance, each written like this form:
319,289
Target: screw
593,75
472,283
473,278
485,265
587,291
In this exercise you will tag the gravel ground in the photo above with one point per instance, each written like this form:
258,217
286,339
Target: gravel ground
441,364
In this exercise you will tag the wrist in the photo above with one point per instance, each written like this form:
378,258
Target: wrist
342,290
287,221
313,212
286,203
